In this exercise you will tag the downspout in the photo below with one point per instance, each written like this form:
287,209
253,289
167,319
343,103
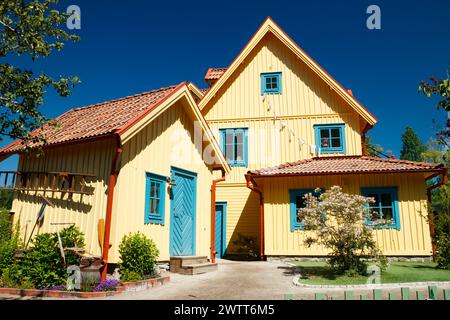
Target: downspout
364,142
443,181
109,207
251,184
213,216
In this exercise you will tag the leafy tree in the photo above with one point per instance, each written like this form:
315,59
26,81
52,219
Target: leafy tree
29,28
438,87
375,149
337,220
412,147
440,205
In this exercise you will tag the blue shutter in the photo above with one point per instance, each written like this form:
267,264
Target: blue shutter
232,157
159,217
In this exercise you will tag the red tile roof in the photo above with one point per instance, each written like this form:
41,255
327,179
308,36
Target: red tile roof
214,73
346,164
97,120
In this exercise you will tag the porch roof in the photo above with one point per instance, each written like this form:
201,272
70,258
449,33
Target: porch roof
345,165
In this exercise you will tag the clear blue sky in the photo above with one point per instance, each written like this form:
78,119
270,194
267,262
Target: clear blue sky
133,46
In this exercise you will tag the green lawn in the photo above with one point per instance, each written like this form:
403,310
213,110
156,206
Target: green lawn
319,274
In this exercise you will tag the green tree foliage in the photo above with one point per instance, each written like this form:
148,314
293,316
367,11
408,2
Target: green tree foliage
437,87
6,199
375,149
138,255
412,147
440,204
28,28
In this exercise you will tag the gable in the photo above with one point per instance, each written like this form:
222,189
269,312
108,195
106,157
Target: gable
269,27
303,92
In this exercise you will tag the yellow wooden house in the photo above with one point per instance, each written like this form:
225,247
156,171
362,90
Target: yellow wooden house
273,126
287,127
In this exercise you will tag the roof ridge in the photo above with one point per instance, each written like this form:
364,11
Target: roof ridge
418,163
122,98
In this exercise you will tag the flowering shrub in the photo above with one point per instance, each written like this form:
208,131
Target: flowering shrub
337,220
107,285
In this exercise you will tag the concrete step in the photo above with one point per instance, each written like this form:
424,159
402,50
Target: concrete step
191,264
198,268
182,261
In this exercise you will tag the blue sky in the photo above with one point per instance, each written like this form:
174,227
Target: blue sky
133,46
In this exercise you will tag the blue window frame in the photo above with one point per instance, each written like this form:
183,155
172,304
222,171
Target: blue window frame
155,194
296,203
384,212
234,144
271,82
330,138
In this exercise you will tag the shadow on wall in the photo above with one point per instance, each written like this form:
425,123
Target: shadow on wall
79,204
244,242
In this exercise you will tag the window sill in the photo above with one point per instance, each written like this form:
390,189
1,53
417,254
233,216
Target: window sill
384,227
332,151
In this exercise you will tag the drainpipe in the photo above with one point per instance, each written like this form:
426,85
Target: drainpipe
364,143
213,216
443,181
251,184
109,207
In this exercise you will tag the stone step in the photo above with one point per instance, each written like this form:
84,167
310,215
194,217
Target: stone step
182,261
198,268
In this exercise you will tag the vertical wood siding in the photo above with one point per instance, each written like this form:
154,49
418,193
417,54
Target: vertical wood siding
413,238
242,213
167,141
304,102
83,210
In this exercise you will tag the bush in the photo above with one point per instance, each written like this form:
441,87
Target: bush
6,199
138,254
72,237
442,240
8,247
43,263
247,245
130,276
5,225
337,220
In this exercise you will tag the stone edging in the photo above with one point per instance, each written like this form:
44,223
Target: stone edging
123,287
296,281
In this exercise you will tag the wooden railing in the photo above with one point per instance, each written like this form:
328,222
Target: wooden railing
64,182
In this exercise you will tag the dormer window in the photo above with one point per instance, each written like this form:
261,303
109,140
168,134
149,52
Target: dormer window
271,83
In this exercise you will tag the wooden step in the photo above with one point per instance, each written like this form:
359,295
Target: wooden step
198,268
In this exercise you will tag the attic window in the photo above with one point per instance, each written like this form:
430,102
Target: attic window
271,82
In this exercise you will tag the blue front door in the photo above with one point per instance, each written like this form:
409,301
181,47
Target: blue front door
220,238
182,206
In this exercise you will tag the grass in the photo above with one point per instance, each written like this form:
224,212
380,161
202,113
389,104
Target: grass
317,273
